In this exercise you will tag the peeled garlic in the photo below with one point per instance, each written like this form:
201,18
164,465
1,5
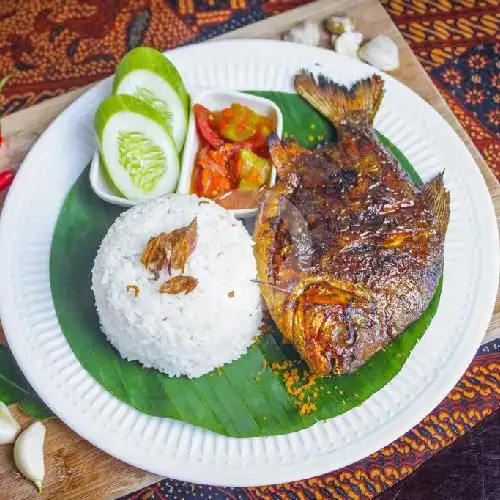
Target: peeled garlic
28,453
339,24
348,43
381,53
8,425
307,33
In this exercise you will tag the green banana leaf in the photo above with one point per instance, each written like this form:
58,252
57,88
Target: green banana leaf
14,388
242,399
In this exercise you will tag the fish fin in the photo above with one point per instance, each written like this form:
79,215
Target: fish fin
284,155
338,103
438,198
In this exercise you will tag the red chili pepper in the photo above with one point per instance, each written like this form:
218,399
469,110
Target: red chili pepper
6,179
201,115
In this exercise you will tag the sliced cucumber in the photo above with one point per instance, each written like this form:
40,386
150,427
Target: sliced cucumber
136,149
148,75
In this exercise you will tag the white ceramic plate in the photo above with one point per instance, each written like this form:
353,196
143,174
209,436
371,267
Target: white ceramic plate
174,449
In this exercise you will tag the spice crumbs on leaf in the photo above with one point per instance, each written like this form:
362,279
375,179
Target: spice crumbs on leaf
307,408
231,294
310,137
301,385
219,371
265,364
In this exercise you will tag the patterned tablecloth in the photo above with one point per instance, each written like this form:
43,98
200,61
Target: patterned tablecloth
53,46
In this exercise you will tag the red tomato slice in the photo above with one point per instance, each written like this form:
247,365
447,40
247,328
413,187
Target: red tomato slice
202,118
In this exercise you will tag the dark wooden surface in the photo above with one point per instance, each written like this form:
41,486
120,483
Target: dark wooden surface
469,469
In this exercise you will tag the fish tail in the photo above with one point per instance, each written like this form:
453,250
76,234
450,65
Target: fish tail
438,199
284,155
338,103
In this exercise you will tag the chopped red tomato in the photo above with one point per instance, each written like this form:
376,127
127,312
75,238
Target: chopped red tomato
233,158
203,117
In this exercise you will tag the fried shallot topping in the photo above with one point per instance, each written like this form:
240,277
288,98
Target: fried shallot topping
133,288
170,250
179,284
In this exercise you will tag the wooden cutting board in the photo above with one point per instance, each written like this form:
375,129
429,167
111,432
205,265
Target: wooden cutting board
75,468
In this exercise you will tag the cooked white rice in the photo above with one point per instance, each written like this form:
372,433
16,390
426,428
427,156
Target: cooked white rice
178,334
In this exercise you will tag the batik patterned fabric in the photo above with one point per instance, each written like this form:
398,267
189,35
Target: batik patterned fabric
458,43
52,46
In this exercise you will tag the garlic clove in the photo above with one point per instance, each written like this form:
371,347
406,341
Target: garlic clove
381,53
28,453
8,425
306,33
337,25
348,43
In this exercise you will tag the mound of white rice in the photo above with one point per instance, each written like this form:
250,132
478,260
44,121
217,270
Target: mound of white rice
178,334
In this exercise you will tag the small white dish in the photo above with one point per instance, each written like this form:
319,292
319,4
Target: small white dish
215,100
102,187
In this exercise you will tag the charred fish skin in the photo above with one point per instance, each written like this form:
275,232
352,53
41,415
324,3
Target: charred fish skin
349,251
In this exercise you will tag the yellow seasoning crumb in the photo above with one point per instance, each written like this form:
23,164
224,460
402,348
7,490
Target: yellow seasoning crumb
321,137
231,294
310,137
312,126
133,288
300,385
219,371
307,408
265,364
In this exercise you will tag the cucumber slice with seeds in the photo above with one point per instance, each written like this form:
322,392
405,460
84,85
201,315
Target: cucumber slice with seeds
136,149
148,75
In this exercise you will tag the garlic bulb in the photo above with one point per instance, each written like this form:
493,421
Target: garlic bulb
339,24
348,43
28,453
381,53
8,425
307,33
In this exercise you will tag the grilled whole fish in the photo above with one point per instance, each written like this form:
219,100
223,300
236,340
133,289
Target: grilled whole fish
349,251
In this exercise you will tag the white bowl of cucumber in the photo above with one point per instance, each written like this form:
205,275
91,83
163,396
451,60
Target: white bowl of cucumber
150,142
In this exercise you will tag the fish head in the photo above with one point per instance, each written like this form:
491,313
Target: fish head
328,318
